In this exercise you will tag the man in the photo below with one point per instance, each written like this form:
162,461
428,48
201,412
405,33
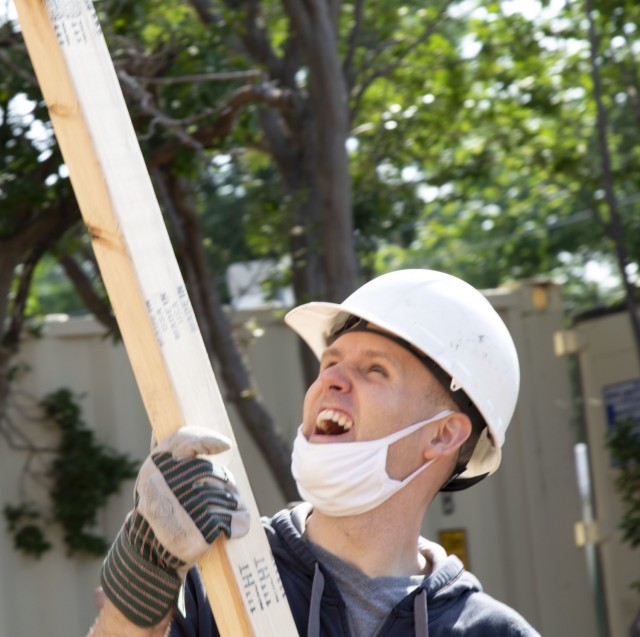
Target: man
418,382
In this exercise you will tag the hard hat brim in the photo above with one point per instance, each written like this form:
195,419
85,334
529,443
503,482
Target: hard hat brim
314,322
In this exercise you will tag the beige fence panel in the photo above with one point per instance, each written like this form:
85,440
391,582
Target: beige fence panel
517,527
610,375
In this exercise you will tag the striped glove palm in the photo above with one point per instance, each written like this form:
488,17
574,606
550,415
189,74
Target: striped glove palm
182,503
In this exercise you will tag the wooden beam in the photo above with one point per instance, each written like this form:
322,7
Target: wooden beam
147,292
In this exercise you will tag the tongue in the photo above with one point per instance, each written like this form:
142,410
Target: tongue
331,428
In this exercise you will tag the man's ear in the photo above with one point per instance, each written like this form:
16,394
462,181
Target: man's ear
448,435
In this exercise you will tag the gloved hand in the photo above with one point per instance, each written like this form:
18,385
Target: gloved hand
182,503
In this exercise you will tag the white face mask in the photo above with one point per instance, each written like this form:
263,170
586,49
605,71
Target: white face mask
349,478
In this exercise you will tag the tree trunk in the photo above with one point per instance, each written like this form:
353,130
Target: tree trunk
37,234
614,226
217,330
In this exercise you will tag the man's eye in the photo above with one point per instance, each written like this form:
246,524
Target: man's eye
378,369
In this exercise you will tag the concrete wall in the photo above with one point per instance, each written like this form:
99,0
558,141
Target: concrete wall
517,525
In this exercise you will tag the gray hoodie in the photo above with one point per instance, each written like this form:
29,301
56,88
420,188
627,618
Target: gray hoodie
449,602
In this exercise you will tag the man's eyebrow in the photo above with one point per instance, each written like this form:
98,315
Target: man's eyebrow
336,351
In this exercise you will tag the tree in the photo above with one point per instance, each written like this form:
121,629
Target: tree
351,137
516,190
32,218
614,224
295,109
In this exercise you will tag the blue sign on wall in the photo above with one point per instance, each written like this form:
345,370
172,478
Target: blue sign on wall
622,400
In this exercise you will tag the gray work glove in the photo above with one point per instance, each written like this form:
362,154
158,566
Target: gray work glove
182,503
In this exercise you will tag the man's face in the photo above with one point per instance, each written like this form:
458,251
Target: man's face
369,387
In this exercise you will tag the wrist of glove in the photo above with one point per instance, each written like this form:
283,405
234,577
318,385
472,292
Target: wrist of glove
182,504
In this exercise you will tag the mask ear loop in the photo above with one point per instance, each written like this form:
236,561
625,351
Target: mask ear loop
407,431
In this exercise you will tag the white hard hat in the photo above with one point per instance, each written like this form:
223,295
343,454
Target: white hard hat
454,325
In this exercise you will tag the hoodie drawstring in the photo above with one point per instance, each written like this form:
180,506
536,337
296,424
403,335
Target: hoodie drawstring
313,627
421,614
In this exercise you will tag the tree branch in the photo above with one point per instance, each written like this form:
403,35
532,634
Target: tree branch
145,101
348,69
34,239
84,288
184,220
208,135
11,336
17,70
617,232
372,73
223,76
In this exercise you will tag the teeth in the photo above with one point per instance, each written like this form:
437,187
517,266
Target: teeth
329,415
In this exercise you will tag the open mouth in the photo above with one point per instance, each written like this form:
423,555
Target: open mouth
332,423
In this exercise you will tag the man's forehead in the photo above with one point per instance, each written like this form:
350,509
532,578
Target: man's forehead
357,325
373,342
389,342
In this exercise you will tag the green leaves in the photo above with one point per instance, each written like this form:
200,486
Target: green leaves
484,109
24,523
623,442
83,474
503,139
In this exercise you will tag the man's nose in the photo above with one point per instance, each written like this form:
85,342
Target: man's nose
337,377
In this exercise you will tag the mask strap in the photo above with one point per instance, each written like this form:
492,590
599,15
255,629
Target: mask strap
399,435
406,432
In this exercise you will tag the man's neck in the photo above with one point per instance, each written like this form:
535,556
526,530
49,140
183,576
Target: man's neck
373,542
